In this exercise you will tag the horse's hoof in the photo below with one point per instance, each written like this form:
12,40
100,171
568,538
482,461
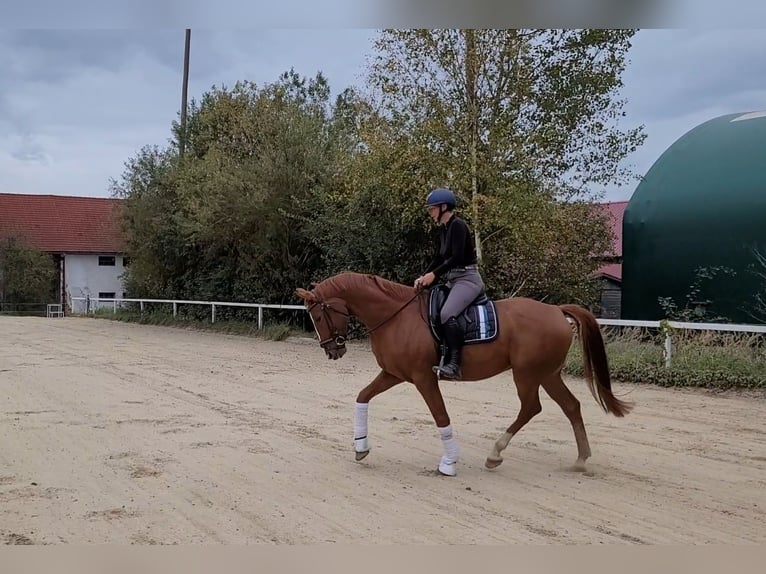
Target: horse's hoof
361,447
446,469
493,462
579,466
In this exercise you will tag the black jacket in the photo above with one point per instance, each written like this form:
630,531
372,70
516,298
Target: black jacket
456,247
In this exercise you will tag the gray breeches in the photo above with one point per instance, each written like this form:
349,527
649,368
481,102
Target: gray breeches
464,286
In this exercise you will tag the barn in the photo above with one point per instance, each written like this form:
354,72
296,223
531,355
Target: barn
610,272
81,234
696,223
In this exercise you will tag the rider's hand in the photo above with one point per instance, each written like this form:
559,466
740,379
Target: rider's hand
424,280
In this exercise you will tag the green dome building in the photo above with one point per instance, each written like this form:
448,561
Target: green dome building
702,205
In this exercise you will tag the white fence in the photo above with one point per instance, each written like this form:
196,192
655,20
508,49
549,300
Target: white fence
90,305
93,303
668,326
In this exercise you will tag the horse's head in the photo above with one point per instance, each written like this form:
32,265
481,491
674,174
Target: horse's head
330,318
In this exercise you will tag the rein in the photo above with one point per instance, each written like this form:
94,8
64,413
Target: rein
395,313
335,334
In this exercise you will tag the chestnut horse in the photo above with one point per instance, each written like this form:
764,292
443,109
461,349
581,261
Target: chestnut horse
532,339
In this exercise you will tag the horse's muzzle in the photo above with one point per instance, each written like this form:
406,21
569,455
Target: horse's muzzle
337,353
335,348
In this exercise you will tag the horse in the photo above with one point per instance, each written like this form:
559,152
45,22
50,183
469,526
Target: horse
531,338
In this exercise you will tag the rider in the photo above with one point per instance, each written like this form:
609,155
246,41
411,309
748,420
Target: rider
456,261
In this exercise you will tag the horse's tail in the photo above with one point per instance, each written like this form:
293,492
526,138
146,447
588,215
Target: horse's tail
595,361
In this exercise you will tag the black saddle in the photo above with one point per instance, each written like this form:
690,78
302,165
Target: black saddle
478,321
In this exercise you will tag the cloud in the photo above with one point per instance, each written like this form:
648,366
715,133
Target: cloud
674,72
29,150
76,104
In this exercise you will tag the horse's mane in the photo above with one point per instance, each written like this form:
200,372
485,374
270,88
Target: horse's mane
351,281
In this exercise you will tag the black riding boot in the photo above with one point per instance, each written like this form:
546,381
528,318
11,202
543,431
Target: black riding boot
454,338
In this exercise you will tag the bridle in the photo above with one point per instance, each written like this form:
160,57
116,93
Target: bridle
335,334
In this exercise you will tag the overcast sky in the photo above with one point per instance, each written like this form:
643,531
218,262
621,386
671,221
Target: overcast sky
75,105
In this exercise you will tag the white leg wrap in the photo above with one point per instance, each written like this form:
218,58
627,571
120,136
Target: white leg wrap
448,463
361,444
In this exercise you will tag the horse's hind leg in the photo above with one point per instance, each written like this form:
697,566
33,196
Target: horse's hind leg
559,392
528,391
379,384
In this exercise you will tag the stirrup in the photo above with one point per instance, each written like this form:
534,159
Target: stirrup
440,373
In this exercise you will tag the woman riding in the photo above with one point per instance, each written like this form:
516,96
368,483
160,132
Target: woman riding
455,261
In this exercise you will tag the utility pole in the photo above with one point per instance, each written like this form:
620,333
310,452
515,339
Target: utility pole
184,91
471,71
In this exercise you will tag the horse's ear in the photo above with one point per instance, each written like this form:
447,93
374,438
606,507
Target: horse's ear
305,295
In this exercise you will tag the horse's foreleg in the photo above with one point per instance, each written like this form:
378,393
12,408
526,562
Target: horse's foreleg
379,384
431,394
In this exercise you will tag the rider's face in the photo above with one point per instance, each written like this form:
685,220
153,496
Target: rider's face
433,211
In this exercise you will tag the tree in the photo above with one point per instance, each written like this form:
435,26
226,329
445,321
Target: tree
503,113
216,223
159,256
27,275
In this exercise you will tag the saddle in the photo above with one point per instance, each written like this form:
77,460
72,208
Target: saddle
478,322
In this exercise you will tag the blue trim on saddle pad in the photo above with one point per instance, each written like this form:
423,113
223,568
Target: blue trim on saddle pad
479,321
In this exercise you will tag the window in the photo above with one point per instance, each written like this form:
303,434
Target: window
106,295
125,261
106,260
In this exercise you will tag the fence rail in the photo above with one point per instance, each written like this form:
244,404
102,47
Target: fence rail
92,302
730,327
22,309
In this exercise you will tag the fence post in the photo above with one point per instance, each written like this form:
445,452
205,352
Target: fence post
260,317
667,351
114,306
175,308
141,304
212,315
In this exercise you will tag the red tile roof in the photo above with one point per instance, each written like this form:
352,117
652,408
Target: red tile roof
63,224
616,211
613,270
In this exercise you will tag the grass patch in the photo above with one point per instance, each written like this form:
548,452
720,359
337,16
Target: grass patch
274,331
707,359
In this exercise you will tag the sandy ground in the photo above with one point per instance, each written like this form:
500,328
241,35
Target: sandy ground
118,433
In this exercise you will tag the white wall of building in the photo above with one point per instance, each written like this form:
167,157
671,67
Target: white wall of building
85,277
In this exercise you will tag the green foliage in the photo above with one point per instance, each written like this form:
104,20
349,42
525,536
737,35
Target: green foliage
543,103
27,275
547,251
758,268
519,123
216,223
699,301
